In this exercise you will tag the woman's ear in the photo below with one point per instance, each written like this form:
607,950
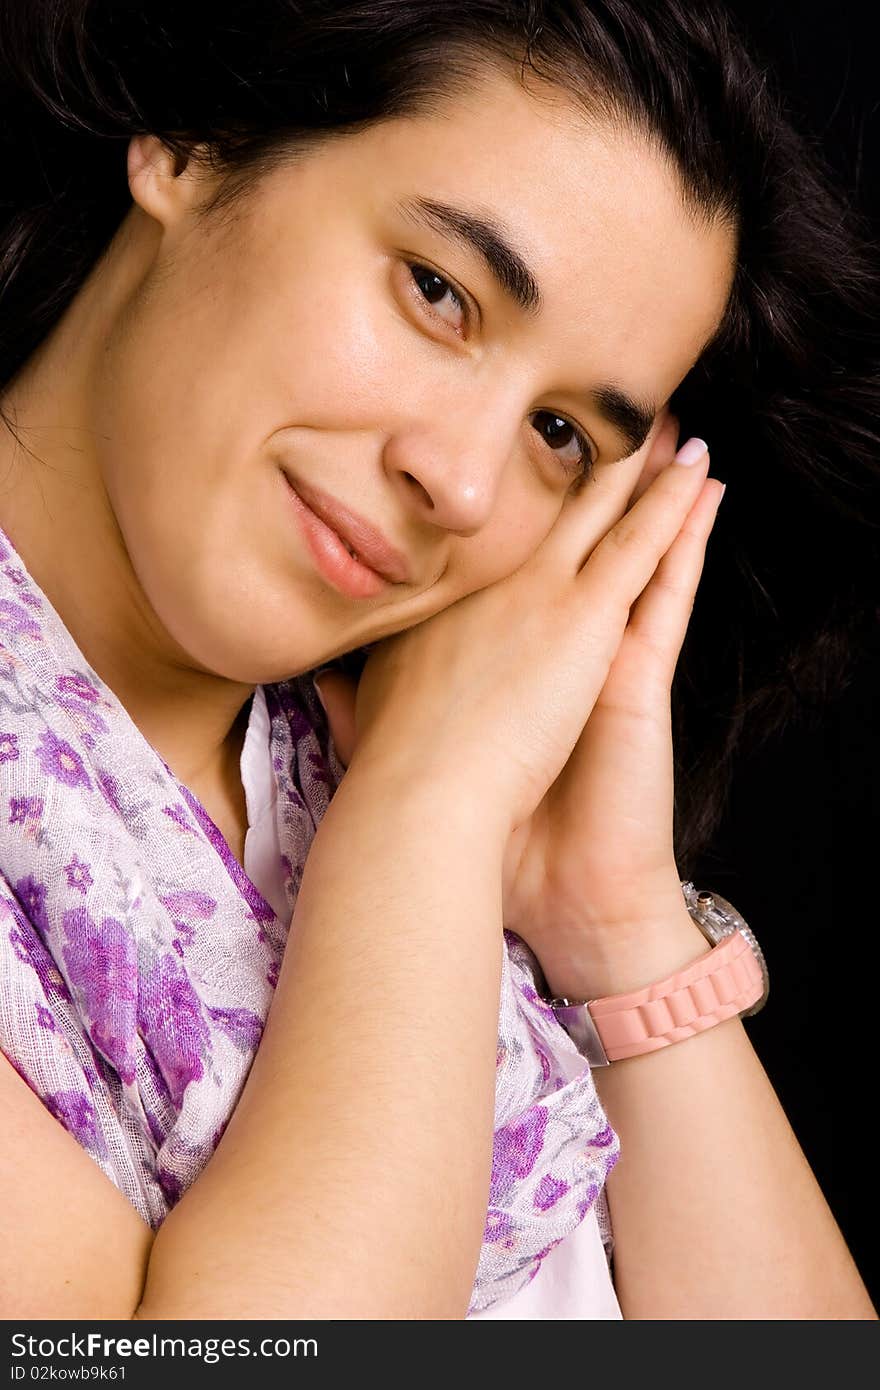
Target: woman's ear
161,182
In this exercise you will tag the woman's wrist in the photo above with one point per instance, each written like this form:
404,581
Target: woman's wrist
624,959
446,804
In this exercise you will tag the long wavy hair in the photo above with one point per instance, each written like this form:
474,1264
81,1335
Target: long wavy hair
787,393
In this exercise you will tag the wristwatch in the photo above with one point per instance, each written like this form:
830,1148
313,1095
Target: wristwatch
729,980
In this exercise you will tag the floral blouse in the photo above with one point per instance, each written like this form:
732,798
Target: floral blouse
139,960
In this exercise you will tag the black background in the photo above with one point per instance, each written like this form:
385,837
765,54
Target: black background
795,853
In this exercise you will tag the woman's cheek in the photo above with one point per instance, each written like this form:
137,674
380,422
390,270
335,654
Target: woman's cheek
347,372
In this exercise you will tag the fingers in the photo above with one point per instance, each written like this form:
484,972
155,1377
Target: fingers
586,518
661,453
622,564
660,616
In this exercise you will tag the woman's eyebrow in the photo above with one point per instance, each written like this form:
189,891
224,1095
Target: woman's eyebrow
630,418
481,233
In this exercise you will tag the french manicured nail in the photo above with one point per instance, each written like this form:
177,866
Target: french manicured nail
691,452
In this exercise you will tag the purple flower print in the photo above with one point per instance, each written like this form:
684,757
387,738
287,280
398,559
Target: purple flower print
498,1226
530,994
241,1025
18,576
282,700
78,875
102,967
181,816
157,1133
77,1114
8,748
17,620
79,698
32,896
187,909
30,950
23,809
78,686
109,788
157,1093
188,905
592,1193
45,1019
170,1185
516,1150
320,770
61,761
550,1189
603,1137
172,1025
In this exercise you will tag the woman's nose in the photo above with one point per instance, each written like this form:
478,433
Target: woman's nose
451,467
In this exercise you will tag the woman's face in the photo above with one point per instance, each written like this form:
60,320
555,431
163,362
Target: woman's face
333,331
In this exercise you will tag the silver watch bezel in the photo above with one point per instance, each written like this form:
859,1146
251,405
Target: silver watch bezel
717,919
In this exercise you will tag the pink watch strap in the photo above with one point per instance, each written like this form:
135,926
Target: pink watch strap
718,985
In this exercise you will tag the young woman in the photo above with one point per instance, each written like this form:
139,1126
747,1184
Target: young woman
436,286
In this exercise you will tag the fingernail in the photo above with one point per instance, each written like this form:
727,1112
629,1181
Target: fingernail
721,494
691,452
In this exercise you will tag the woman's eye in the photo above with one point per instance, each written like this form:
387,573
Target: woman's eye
566,440
443,298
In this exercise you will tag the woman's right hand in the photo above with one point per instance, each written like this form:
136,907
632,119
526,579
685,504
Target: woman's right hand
490,695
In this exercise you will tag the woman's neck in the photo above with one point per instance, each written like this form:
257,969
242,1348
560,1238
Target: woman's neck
55,509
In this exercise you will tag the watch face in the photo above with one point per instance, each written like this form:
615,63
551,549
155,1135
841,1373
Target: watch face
717,919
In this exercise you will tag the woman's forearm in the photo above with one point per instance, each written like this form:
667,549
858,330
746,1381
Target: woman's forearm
352,1179
715,1211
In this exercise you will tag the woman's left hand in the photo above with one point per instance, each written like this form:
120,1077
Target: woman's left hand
596,860
596,857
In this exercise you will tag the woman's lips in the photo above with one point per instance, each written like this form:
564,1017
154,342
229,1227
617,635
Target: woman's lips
372,548
350,576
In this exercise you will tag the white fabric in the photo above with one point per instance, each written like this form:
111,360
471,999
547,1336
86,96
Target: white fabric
572,1283
574,1280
